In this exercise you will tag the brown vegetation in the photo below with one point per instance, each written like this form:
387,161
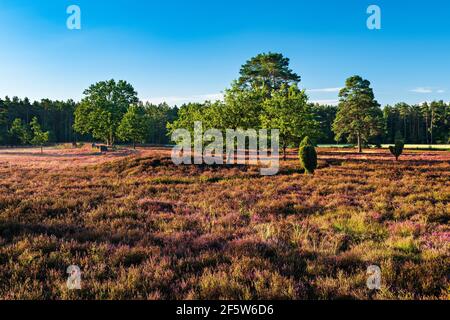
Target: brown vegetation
140,227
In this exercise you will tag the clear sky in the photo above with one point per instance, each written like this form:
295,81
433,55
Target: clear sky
191,50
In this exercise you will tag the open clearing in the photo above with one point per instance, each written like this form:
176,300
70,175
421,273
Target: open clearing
140,227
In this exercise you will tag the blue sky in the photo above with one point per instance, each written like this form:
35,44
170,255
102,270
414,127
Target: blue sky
192,50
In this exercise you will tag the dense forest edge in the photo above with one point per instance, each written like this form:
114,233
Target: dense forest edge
265,95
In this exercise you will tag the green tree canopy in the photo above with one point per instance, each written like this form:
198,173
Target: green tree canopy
288,110
188,114
39,137
324,115
308,156
3,122
19,133
265,96
267,69
103,107
159,116
134,125
359,115
242,108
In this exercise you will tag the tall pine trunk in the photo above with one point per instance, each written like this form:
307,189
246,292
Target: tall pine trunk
359,143
431,125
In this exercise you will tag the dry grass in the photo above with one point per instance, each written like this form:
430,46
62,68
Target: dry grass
142,228
54,158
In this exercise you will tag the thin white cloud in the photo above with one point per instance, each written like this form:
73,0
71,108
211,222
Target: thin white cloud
326,102
324,90
427,90
422,90
179,100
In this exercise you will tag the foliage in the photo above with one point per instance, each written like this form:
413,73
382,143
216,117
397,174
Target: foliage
159,116
99,114
55,116
269,70
265,96
359,115
324,115
101,110
134,125
188,114
428,123
241,108
4,123
397,150
58,118
39,137
308,156
288,110
306,142
19,133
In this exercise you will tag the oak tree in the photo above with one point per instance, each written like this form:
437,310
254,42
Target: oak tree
102,109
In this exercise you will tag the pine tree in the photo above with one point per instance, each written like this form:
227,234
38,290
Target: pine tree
359,115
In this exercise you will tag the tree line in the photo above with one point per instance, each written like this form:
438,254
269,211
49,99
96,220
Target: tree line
58,119
425,123
267,94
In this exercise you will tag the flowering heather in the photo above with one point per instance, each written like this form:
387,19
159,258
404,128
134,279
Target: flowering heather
140,227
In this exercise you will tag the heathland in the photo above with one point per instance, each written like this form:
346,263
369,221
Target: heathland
140,227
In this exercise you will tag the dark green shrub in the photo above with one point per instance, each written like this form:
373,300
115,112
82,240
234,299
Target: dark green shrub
308,156
306,142
397,150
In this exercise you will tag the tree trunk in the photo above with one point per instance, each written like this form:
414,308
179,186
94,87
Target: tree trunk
111,139
404,127
359,143
284,153
134,145
42,150
418,130
431,125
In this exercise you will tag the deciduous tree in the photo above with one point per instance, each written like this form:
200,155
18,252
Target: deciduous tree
103,107
134,125
19,133
39,137
288,110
